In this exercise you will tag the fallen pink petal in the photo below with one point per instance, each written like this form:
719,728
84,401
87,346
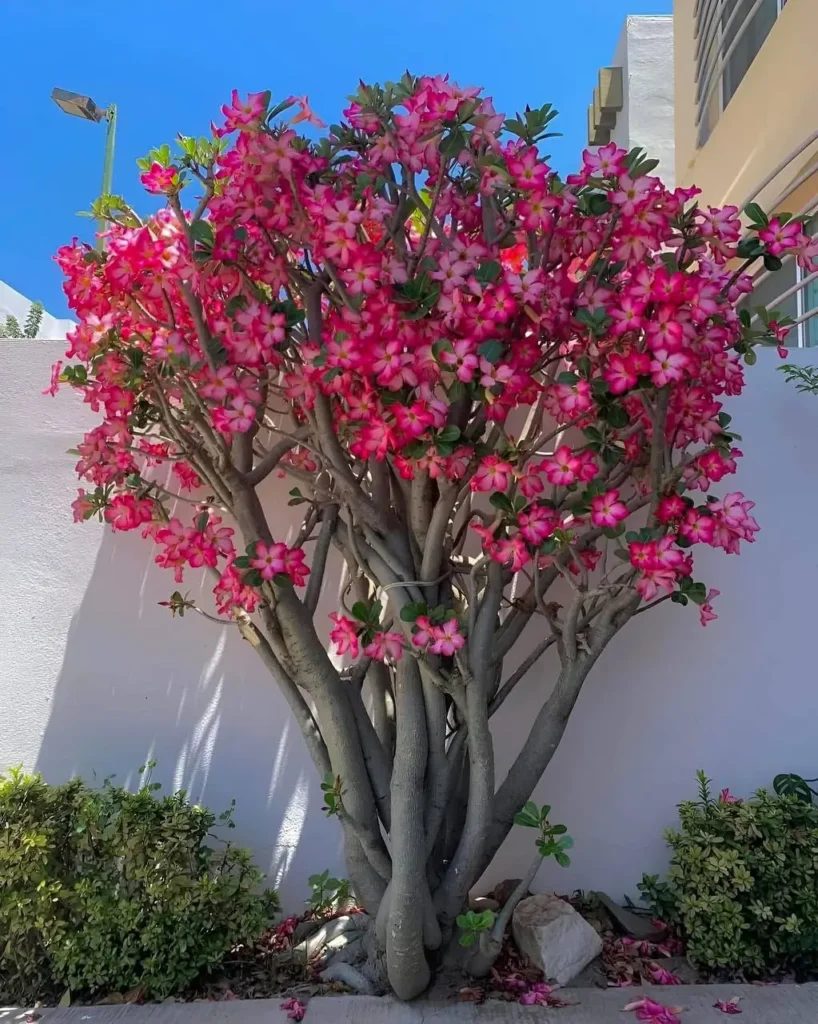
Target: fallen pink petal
295,1009
650,1012
728,1005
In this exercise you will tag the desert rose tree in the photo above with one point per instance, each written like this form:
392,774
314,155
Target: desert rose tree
497,394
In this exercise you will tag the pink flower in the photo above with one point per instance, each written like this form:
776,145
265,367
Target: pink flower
236,418
295,567
650,1012
607,162
269,559
53,387
728,1005
697,526
126,512
630,194
573,398
83,506
779,237
706,613
537,995
188,477
304,114
295,1009
243,114
538,523
607,510
158,179
447,638
562,468
726,797
493,474
423,632
344,635
668,367
385,646
661,976
671,508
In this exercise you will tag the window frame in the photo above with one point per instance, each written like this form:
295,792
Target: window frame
709,70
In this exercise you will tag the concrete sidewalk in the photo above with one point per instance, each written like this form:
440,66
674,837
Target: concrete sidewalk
773,1004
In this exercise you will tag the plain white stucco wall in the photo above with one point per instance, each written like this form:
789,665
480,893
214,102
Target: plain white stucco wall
645,54
96,678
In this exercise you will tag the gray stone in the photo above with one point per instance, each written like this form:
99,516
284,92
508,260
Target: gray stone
304,929
350,953
334,934
504,889
554,937
481,903
682,968
635,925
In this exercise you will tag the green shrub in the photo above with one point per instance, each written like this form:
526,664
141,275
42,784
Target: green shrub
743,883
106,890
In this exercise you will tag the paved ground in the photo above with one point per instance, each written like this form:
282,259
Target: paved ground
778,1004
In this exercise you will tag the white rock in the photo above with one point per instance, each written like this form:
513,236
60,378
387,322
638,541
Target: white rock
554,937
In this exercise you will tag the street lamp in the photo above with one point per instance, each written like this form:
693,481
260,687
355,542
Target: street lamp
83,106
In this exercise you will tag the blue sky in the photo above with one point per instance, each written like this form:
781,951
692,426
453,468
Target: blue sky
169,68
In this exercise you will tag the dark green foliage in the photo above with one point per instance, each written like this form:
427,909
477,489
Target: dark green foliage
106,891
743,883
805,378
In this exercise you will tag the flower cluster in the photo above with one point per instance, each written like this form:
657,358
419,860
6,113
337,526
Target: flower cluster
412,280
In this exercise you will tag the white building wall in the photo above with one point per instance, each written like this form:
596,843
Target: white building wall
94,677
645,54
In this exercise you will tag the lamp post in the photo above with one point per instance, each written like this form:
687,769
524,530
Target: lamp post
83,106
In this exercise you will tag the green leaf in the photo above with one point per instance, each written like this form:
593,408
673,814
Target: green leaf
488,271
501,501
756,215
361,611
616,416
281,579
566,377
202,232
491,350
749,248
411,611
449,435
453,144
562,859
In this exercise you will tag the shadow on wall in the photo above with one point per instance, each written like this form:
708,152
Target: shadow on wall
136,685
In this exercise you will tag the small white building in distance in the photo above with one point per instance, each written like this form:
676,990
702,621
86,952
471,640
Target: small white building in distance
12,303
632,103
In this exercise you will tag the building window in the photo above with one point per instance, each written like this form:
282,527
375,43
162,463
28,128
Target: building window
729,34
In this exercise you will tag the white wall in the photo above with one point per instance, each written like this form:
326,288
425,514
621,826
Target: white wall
95,677
645,54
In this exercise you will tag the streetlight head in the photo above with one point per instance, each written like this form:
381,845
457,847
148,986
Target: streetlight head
77,106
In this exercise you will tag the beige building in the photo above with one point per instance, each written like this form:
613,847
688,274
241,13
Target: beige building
746,120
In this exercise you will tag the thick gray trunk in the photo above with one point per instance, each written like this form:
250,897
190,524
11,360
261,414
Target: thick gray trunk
407,967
